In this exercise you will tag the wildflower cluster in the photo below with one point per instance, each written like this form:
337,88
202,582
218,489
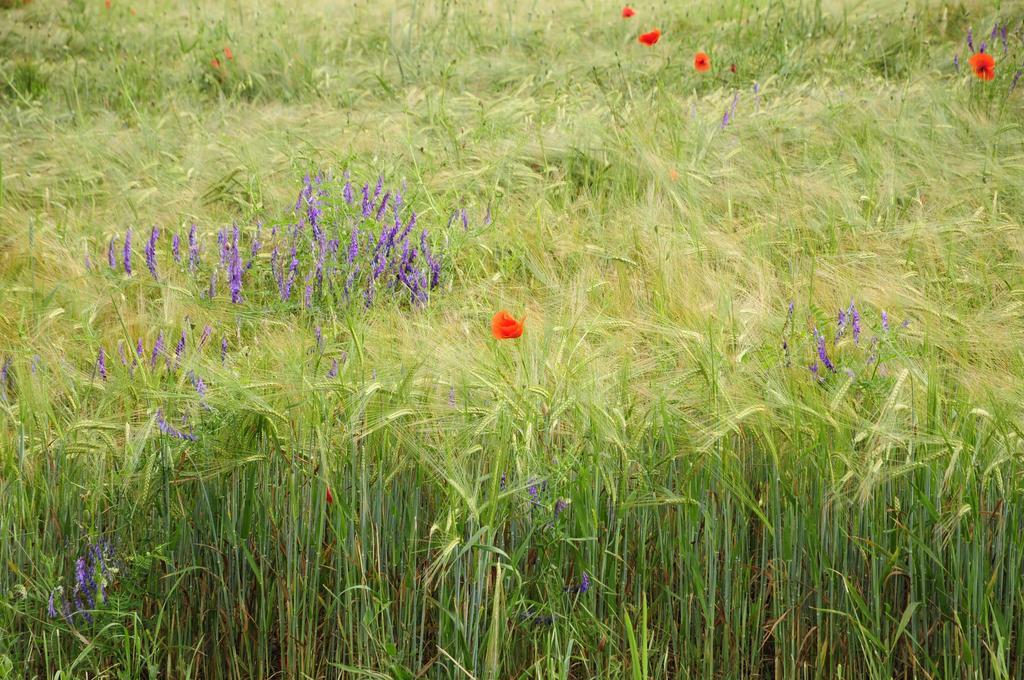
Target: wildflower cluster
94,573
343,247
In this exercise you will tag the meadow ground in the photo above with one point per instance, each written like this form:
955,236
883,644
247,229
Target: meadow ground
764,419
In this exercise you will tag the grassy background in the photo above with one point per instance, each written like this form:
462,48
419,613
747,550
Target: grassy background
735,516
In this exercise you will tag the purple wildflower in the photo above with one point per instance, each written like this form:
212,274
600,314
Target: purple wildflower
128,252
465,220
51,611
885,321
956,62
199,386
487,216
757,95
560,505
584,583
367,208
333,372
176,247
158,349
139,348
383,206
111,256
970,40
347,191
170,430
235,271
180,347
101,365
193,249
451,396
822,352
855,322
150,251
121,352
223,349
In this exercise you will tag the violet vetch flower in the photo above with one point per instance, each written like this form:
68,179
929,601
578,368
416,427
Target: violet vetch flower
814,369
101,365
333,372
128,252
970,40
193,249
560,505
158,348
487,216
822,352
731,112
465,220
170,430
235,271
757,95
111,256
855,322
347,191
885,321
223,349
176,247
451,396
956,62
199,385
5,370
150,250
140,350
179,349
51,611
1002,37
121,352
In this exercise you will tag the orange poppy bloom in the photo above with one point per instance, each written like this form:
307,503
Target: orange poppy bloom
701,62
650,38
983,65
106,3
215,62
627,12
504,326
228,53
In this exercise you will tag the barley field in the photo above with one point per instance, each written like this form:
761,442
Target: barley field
753,409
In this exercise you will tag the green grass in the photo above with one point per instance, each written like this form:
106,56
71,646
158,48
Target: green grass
736,517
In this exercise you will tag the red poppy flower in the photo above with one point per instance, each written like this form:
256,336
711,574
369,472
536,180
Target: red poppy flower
504,326
215,62
627,12
733,68
701,62
228,53
106,3
650,38
330,497
984,65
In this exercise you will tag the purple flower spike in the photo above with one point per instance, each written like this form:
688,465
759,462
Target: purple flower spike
193,249
101,365
223,349
347,191
176,247
970,40
822,352
885,321
158,349
150,250
333,372
111,256
128,252
956,62
855,322
170,430
465,220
